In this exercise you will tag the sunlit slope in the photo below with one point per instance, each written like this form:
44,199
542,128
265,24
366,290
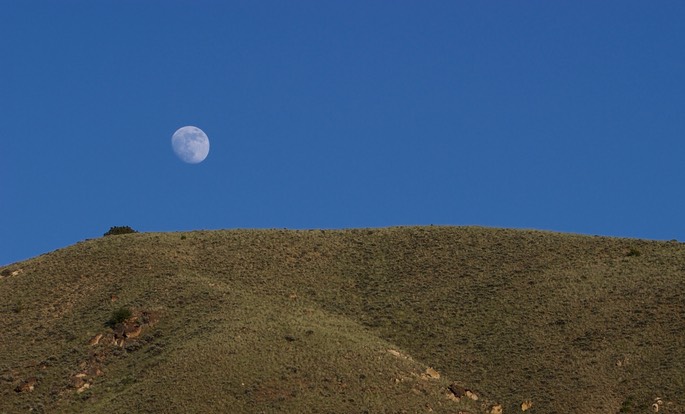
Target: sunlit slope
298,321
211,337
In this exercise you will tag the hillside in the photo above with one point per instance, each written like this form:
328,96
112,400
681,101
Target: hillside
369,320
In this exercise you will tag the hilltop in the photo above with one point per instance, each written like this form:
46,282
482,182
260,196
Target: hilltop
407,319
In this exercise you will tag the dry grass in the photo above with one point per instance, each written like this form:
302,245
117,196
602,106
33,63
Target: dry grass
302,321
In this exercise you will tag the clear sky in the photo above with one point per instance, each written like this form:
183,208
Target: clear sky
557,115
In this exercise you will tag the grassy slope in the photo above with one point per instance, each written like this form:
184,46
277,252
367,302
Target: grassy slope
269,321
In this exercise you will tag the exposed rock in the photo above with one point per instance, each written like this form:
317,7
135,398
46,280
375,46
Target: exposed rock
27,385
398,354
658,402
77,382
451,396
526,405
497,409
83,388
431,374
457,390
94,371
132,331
8,273
83,380
621,362
95,340
131,328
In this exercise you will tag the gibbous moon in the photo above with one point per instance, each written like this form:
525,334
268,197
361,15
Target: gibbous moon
190,144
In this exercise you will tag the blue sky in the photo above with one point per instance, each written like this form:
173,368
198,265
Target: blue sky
556,115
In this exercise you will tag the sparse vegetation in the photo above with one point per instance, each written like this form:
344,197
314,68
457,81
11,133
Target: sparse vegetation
633,252
116,230
627,405
17,307
302,321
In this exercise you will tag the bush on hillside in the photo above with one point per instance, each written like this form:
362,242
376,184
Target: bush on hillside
115,230
118,316
633,252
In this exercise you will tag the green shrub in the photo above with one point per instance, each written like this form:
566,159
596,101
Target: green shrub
633,252
119,230
627,405
118,316
17,307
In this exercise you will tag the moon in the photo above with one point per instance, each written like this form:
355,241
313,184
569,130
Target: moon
190,144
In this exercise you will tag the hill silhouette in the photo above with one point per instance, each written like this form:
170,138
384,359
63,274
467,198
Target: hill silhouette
407,319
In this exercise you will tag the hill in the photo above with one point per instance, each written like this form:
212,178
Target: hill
369,320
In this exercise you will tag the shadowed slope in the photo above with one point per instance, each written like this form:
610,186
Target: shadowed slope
302,320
